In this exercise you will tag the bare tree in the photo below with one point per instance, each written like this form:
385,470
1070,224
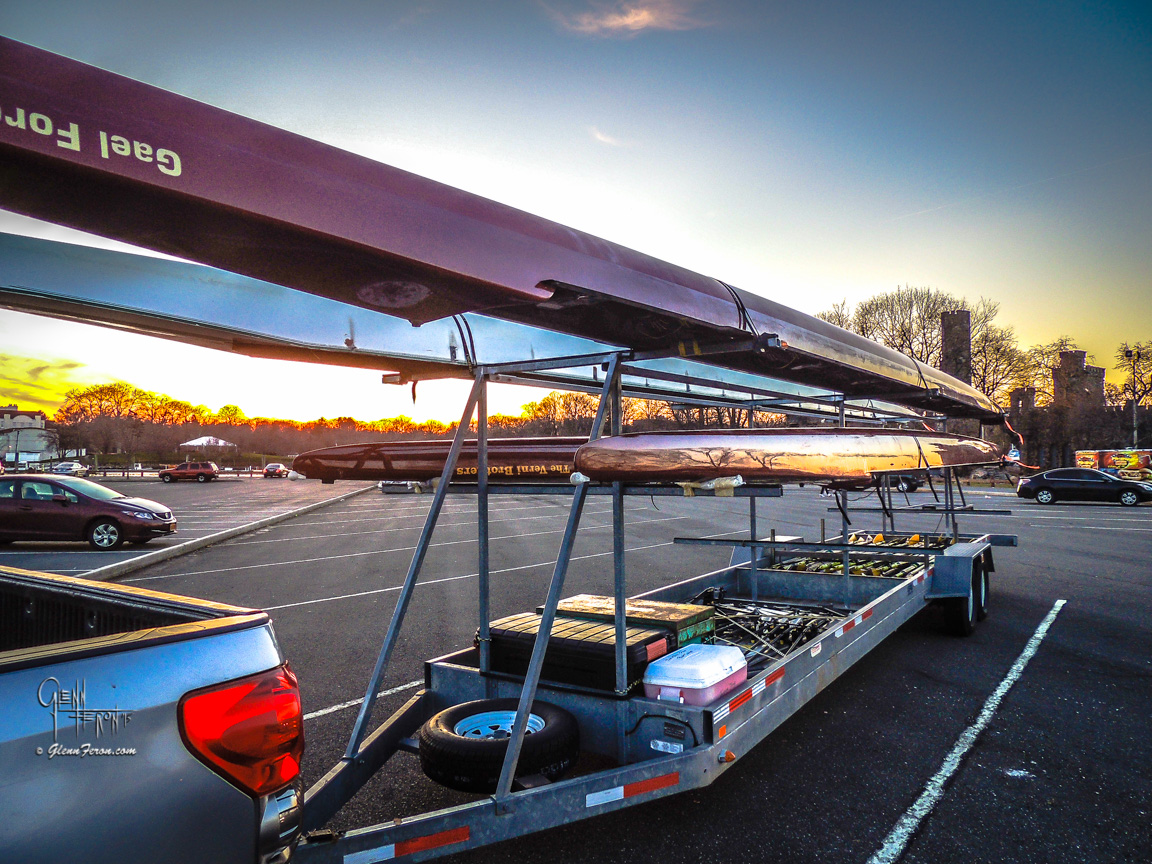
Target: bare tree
1138,380
908,320
997,362
840,314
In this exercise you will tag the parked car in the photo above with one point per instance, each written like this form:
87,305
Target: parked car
907,482
74,469
275,469
69,508
201,472
1082,484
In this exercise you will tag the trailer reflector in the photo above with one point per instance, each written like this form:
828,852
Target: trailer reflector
410,847
755,690
619,793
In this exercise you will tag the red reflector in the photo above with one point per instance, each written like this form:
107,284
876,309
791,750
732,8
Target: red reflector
652,784
251,730
433,841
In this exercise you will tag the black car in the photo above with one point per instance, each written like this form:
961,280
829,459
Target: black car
1082,484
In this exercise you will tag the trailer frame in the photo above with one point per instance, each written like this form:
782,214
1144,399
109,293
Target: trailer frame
648,739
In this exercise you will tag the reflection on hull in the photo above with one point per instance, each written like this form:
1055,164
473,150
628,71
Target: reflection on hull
777,455
510,460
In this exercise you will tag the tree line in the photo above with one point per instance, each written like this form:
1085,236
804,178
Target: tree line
130,424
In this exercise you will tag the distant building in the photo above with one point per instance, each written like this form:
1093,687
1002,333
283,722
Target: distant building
1075,384
23,436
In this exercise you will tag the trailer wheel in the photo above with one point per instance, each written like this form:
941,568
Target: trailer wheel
982,588
463,747
960,614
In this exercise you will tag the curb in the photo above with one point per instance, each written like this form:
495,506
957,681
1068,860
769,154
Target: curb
103,574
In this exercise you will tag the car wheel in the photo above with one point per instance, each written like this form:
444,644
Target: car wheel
463,747
1129,498
167,478
201,478
1045,496
105,534
903,485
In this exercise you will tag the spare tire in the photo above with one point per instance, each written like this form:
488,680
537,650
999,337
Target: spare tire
463,746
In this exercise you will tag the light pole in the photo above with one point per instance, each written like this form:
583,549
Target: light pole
1134,356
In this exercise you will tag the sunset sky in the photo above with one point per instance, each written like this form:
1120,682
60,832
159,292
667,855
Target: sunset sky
810,152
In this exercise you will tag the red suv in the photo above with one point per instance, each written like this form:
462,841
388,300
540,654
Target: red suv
201,472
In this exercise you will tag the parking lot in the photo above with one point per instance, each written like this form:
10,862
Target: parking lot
201,509
1062,772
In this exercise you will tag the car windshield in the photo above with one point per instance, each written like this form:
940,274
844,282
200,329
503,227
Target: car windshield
92,490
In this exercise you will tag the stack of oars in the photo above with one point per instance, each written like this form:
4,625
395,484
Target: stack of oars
770,630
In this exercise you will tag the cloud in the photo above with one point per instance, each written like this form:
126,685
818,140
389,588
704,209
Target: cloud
606,139
624,19
36,371
32,383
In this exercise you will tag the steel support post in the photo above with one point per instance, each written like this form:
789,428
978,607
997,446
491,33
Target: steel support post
482,537
754,561
619,579
842,496
544,632
413,572
618,572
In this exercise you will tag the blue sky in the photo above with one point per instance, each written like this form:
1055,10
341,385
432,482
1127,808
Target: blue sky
808,151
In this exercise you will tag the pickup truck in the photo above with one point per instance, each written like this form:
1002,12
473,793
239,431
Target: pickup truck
141,726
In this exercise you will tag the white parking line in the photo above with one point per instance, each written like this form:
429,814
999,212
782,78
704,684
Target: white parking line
473,575
438,526
1091,518
312,715
897,840
382,551
1101,528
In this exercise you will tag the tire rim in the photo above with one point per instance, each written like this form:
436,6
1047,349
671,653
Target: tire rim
494,725
1128,498
1043,496
105,535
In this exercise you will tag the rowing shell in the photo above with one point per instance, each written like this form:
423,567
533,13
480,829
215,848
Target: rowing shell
777,455
510,460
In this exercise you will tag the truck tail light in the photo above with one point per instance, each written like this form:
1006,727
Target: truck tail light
250,730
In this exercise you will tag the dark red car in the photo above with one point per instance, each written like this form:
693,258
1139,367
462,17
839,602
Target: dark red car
38,507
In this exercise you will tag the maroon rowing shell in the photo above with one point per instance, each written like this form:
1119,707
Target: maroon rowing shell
796,454
510,460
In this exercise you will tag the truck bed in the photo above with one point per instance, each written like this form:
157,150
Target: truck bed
45,617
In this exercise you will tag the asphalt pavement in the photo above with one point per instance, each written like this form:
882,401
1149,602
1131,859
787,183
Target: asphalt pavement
1060,771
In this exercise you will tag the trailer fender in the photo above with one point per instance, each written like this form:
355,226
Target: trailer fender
953,572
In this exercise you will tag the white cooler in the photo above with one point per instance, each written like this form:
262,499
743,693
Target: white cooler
696,674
